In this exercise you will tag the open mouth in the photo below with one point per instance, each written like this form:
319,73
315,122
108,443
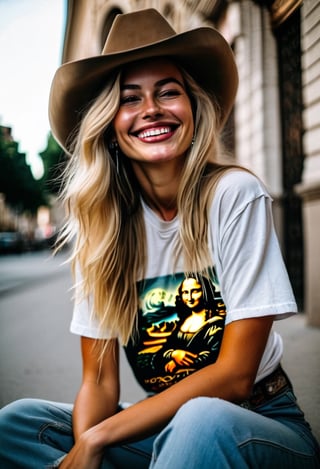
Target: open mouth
157,132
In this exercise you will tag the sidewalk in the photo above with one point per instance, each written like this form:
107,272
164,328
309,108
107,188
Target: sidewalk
301,361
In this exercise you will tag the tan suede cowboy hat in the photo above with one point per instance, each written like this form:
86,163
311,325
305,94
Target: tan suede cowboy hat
203,52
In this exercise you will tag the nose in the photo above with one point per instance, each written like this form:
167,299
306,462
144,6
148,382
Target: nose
151,107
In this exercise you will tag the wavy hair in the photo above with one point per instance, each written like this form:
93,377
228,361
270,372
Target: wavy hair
104,213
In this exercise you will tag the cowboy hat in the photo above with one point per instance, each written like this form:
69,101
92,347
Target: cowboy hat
142,34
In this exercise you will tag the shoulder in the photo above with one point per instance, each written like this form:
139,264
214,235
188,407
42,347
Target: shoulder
238,183
238,192
236,189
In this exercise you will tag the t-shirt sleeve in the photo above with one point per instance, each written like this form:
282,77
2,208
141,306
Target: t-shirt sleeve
83,321
249,264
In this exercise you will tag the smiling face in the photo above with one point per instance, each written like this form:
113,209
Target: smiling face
154,123
192,294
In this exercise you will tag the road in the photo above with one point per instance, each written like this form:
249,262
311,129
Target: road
39,357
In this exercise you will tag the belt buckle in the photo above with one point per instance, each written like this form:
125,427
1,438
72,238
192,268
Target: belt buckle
275,384
266,388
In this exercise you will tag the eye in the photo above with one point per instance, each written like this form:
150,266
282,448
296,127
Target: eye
169,93
129,99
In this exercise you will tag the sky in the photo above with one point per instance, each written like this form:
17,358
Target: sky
31,37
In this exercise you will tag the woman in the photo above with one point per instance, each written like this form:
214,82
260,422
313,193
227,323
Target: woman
200,327
175,340
198,335
148,203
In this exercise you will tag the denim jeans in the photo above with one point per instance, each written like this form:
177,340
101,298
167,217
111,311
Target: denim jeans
205,433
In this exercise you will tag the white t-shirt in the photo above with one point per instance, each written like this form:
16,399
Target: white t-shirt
249,280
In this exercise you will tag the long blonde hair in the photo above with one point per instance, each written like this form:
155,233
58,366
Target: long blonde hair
104,212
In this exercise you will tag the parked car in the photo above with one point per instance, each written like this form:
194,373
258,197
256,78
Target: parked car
11,242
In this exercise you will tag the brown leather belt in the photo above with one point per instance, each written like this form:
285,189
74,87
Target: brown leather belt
269,387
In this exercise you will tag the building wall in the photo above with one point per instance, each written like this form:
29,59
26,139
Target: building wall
310,187
258,141
89,20
311,89
247,27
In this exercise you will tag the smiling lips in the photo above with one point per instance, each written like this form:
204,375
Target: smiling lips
154,133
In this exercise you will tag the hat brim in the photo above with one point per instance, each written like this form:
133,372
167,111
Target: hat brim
203,52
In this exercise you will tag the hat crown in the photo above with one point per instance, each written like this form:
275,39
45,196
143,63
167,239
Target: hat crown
137,29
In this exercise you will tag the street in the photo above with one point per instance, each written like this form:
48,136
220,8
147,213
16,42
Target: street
39,357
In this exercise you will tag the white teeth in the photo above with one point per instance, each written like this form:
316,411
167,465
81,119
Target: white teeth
154,132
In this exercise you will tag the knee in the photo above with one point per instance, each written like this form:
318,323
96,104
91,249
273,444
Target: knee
201,407
211,418
15,413
19,407
206,413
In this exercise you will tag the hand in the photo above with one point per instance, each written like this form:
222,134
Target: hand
170,366
83,455
182,357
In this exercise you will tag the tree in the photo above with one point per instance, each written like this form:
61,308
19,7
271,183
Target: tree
54,162
22,192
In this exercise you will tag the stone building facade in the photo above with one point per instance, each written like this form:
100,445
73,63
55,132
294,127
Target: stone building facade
275,126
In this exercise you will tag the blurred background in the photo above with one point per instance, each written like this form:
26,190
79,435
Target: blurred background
274,130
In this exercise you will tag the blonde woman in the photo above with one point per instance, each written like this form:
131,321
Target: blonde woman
149,203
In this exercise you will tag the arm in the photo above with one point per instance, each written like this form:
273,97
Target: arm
230,378
98,396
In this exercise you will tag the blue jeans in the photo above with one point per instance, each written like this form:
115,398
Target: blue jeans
205,433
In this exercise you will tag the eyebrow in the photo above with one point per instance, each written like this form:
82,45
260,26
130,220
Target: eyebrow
158,84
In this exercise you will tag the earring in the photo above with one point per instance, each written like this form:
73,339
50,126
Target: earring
114,149
117,157
193,140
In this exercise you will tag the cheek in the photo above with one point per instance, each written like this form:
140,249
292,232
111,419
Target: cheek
121,122
183,110
187,118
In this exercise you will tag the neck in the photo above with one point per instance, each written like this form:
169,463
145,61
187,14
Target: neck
200,312
159,187
166,211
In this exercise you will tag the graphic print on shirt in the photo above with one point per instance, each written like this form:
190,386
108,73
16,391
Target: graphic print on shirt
180,322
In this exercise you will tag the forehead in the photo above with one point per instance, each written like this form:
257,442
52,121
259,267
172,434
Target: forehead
150,69
191,283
